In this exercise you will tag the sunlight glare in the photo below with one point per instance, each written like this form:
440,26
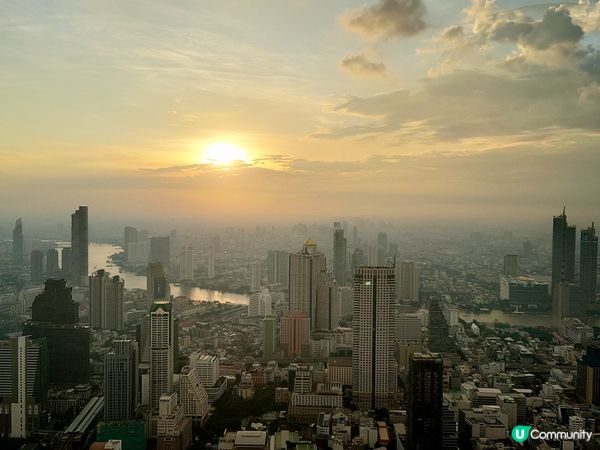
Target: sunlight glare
224,153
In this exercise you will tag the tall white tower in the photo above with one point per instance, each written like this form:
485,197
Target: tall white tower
162,337
373,366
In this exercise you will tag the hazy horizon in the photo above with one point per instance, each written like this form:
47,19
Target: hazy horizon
465,112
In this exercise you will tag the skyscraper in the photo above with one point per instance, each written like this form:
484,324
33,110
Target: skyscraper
327,305
278,265
373,365
23,385
588,263
121,390
130,236
339,254
55,316
79,246
157,284
37,266
382,241
295,334
305,267
563,250
162,336
106,301
424,401
269,343
186,264
260,304
17,243
358,259
511,264
408,280
52,267
160,250
439,339
66,263
254,276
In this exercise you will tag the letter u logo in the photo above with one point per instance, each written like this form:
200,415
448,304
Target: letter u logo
520,433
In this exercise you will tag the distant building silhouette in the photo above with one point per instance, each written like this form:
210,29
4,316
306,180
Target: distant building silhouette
79,246
160,250
52,267
563,250
186,264
130,236
339,254
157,283
278,266
511,264
36,260
17,243
588,264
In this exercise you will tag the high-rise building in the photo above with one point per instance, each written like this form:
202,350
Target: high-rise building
561,300
106,301
207,367
254,276
339,254
327,306
162,337
373,365
130,236
211,262
260,304
23,385
160,250
382,241
439,333
186,264
587,386
17,243
269,340
121,387
408,280
193,396
173,428
157,284
358,258
52,267
295,334
37,266
66,262
305,268
376,255
79,246
563,250
511,264
278,262
588,263
424,401
55,316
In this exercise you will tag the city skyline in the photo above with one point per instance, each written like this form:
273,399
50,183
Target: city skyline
405,110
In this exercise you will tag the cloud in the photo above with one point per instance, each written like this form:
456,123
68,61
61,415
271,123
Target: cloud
362,65
386,19
453,33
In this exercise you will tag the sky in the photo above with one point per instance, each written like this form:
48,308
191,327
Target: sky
415,110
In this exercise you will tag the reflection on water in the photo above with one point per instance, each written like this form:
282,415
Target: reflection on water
98,259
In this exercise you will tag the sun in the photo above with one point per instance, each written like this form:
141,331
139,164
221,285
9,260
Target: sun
224,153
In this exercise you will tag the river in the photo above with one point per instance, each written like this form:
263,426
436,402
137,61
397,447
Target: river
98,259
